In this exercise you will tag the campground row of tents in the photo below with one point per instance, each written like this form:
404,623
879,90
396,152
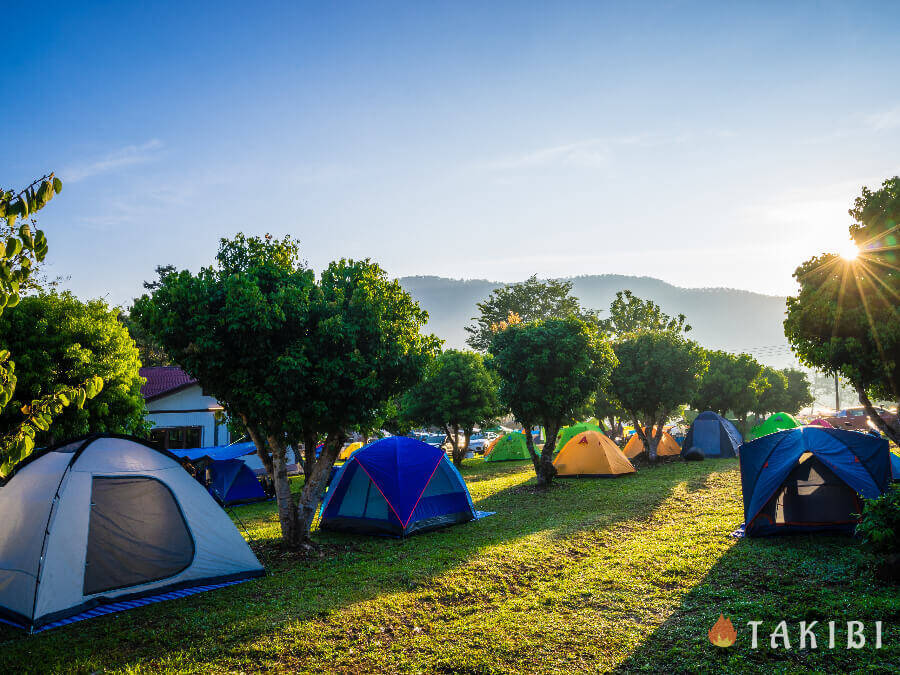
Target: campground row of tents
107,523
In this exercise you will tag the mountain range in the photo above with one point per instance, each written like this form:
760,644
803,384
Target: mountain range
721,318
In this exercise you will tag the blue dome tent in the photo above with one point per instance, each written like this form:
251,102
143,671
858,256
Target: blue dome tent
396,486
809,479
232,481
714,435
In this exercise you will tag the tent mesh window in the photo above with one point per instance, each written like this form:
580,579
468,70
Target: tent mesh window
812,494
137,534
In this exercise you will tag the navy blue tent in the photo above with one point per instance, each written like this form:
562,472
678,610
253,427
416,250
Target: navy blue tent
810,479
396,486
231,480
714,435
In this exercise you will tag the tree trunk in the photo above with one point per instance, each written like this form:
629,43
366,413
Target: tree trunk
287,507
455,451
529,443
655,437
546,470
645,440
309,452
261,450
317,481
891,431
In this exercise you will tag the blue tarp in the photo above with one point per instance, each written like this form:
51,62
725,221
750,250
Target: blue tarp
232,481
860,460
396,486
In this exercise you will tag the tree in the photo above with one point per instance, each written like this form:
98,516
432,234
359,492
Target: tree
732,382
606,407
457,393
630,314
773,393
657,372
798,394
61,341
292,358
22,249
531,300
844,318
549,370
151,352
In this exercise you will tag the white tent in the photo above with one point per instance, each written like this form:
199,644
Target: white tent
107,520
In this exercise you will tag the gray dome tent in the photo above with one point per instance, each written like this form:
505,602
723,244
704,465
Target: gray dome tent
107,523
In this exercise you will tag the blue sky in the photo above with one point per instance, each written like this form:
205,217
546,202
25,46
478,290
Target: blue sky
701,144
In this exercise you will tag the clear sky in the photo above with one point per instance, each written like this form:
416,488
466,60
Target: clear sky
714,144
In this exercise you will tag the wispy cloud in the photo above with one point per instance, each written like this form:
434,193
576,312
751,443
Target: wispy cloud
886,119
117,159
591,153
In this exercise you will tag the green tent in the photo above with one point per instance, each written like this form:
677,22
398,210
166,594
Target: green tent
567,433
776,422
510,446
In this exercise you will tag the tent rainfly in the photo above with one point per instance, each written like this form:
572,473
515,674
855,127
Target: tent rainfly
668,446
590,453
508,447
714,435
777,422
107,523
567,433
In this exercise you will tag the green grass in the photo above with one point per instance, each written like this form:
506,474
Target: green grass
593,575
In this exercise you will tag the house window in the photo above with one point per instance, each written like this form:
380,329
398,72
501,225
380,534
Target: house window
177,438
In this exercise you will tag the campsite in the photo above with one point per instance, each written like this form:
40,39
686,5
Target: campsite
371,337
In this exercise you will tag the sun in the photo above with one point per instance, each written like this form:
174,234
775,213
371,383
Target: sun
848,250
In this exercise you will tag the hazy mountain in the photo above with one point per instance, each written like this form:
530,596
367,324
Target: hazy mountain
722,318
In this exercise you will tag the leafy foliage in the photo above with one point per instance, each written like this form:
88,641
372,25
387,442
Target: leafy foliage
629,314
732,382
291,358
59,342
879,528
549,370
457,393
844,318
21,251
657,372
529,301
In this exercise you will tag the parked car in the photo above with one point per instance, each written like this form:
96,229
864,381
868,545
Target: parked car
856,419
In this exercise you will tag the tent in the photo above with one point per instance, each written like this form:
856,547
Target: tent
667,447
231,480
590,453
396,486
507,447
490,446
714,435
106,523
566,433
895,468
819,422
348,450
774,423
809,479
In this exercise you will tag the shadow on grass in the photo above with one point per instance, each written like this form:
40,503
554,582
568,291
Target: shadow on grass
213,625
792,578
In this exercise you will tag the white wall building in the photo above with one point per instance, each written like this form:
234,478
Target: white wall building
182,415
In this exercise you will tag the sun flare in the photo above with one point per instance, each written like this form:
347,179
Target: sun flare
848,251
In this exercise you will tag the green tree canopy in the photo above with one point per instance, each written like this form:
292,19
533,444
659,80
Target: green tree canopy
657,372
60,341
292,358
799,393
844,318
630,314
732,382
457,393
529,301
549,370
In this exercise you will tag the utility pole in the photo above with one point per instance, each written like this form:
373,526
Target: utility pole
837,394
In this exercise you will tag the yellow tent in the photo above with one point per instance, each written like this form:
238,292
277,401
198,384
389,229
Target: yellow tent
667,447
348,450
591,454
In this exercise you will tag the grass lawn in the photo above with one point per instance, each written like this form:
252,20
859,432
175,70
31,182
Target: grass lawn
593,575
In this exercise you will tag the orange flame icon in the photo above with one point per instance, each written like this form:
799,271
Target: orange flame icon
722,634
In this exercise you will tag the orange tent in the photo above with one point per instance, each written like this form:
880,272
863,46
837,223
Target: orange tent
590,453
667,447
